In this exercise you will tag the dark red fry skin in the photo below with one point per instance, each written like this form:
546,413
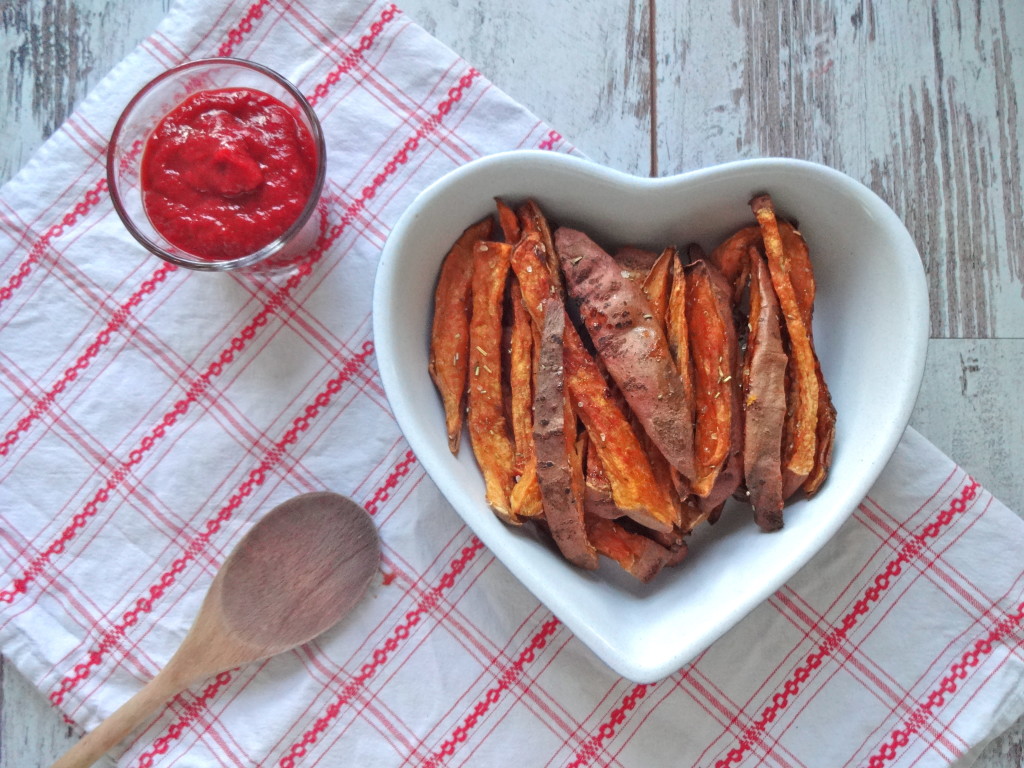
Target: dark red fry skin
631,343
560,485
764,388
674,542
488,424
719,433
449,335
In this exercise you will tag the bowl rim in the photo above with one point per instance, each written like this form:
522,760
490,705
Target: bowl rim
218,265
911,270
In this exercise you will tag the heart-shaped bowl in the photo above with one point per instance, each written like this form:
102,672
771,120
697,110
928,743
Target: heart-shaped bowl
870,331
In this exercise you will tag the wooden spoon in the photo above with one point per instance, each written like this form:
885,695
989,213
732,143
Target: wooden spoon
296,573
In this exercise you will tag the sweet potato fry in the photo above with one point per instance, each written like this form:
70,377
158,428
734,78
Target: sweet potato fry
525,498
560,486
635,488
804,287
636,554
713,347
800,447
449,334
535,282
535,224
801,274
764,388
488,425
597,495
631,344
658,283
508,221
731,257
521,380
678,335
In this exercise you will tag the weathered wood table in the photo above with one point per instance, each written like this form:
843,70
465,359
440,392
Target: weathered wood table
917,100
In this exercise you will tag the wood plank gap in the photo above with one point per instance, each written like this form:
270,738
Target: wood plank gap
652,62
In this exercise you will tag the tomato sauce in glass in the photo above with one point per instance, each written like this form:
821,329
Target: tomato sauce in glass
226,172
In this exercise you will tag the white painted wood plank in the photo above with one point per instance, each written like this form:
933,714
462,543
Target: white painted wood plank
53,53
967,408
581,65
32,733
917,100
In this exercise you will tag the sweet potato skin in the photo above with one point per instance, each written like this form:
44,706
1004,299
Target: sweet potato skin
764,387
631,344
449,334
560,489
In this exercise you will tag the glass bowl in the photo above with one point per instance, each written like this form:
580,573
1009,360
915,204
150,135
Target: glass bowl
162,95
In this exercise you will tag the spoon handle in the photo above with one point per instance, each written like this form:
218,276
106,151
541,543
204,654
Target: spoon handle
121,722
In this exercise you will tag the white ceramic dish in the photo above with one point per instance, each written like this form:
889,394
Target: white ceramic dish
870,329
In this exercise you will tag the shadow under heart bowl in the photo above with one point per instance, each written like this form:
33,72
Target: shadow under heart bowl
870,330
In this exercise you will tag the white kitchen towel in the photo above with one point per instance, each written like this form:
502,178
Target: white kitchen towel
148,415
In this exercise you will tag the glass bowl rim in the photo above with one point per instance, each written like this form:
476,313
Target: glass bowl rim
196,262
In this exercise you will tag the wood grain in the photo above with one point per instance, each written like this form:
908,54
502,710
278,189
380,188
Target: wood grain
54,52
917,100
921,107
579,64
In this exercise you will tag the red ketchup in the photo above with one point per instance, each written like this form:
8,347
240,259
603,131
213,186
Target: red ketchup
226,172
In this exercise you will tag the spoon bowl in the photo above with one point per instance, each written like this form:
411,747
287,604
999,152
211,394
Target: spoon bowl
296,573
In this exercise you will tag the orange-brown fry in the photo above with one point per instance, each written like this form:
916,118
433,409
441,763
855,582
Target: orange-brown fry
658,283
800,449
713,348
597,496
534,223
635,488
802,277
521,379
526,499
488,424
801,274
731,259
508,222
635,553
678,335
449,335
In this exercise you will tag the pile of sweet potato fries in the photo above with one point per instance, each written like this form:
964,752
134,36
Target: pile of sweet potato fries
617,401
